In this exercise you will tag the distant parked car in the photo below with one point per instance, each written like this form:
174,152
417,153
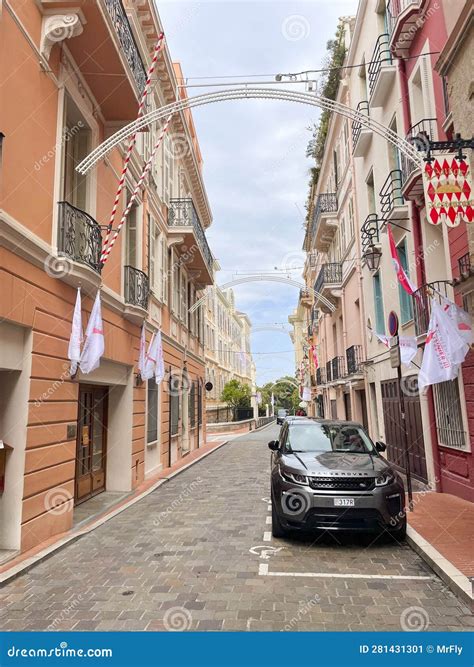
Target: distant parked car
328,475
281,414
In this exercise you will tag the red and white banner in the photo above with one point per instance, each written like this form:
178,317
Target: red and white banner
94,346
154,362
461,319
447,184
445,349
408,349
315,356
402,276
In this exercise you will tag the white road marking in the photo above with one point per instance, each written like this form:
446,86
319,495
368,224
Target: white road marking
265,551
263,570
267,536
269,519
269,508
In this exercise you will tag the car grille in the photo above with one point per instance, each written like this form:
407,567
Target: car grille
342,483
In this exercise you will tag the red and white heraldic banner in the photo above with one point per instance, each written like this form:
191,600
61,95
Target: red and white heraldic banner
447,182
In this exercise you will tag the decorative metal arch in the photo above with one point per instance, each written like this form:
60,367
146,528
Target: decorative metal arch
254,279
250,93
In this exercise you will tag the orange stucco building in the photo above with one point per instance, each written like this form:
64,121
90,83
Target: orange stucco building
71,74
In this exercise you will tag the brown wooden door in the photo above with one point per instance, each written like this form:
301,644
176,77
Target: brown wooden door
394,433
91,442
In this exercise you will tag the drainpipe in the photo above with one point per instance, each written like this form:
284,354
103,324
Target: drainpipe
420,271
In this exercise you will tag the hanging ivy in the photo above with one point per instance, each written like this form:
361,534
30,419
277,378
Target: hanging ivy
329,84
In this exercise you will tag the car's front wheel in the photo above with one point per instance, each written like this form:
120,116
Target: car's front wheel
400,533
277,528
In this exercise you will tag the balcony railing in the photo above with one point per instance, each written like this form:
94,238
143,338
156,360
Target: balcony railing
418,135
422,303
380,56
370,233
79,236
362,107
321,376
182,213
337,368
127,41
354,359
391,194
326,203
136,287
330,274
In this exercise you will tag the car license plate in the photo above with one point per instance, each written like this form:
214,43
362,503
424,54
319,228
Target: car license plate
344,502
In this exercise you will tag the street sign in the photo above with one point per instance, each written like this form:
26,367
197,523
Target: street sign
395,356
393,323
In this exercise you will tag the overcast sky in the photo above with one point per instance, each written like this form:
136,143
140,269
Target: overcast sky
255,169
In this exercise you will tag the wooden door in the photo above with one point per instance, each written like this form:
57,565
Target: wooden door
393,429
91,442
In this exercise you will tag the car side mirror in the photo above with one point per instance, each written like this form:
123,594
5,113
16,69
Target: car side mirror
380,446
273,445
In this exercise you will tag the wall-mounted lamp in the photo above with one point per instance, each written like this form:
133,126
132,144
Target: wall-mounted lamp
373,256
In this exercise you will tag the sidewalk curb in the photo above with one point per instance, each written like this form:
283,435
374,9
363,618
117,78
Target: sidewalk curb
28,563
460,585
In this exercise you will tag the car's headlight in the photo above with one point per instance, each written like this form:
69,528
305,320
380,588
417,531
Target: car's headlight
294,477
385,478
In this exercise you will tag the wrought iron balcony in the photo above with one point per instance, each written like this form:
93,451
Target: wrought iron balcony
182,213
320,376
370,232
337,368
79,236
330,274
354,359
419,135
136,287
127,41
360,132
380,71
392,202
422,303
322,224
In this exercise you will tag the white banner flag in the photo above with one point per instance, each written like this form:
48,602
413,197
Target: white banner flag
75,341
462,320
94,346
408,349
160,362
142,352
444,349
306,394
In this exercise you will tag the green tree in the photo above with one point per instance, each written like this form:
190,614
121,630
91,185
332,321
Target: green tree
285,393
236,394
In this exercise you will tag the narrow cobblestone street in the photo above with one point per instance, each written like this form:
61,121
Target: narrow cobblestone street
189,556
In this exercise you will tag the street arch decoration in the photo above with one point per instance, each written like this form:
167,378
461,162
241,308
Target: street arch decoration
310,99
265,278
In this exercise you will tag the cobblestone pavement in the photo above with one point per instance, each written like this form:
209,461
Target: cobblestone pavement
180,559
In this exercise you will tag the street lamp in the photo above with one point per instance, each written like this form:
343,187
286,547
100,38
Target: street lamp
372,256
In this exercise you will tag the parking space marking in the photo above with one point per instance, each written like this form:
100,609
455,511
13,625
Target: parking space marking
269,519
263,570
267,536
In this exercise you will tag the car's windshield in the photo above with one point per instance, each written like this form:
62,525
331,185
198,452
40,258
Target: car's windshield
316,437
